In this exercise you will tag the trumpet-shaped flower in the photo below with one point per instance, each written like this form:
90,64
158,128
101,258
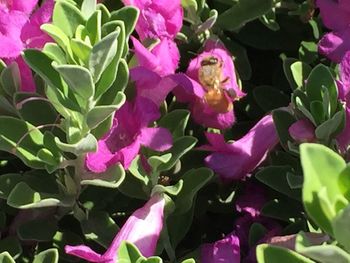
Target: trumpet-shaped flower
192,90
142,229
233,161
129,132
158,19
224,251
20,29
343,138
163,59
336,16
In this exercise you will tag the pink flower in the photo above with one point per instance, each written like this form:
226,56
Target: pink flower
129,132
150,85
158,18
163,59
336,16
20,29
302,131
224,251
233,161
142,229
208,107
343,138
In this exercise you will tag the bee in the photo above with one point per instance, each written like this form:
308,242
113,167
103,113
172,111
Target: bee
211,78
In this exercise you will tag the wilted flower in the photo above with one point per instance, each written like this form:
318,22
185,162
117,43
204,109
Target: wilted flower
233,161
20,29
224,251
129,132
142,229
336,16
210,87
158,18
302,131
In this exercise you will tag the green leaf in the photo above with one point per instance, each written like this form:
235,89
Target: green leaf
8,182
282,210
35,110
341,228
128,252
100,113
270,98
112,178
320,77
93,26
99,227
41,64
180,147
37,230
53,51
242,12
21,139
24,197
300,72
194,180
176,122
276,178
47,256
129,16
81,50
5,257
322,253
190,260
67,17
102,54
10,248
82,85
209,23
283,120
88,7
120,83
322,168
331,127
271,254
256,233
10,79
85,145
60,38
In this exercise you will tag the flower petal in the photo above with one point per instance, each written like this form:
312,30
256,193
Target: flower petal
335,44
142,228
158,139
84,252
302,131
226,250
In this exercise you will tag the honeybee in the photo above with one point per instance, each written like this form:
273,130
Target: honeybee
211,78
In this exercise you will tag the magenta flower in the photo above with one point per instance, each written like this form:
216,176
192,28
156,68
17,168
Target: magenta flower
142,229
250,204
343,138
208,107
233,161
158,18
224,251
129,132
302,131
336,16
20,29
150,85
163,59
